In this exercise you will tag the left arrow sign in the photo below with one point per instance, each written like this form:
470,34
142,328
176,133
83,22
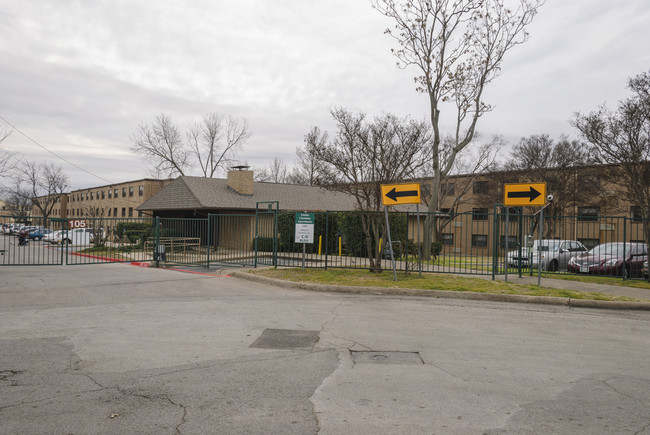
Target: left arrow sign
393,194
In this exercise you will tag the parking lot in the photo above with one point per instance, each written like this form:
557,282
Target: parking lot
115,348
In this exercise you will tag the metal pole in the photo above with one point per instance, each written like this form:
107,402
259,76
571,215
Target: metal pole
539,248
390,244
507,237
419,244
303,255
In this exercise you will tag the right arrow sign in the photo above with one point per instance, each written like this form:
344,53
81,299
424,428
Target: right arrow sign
524,194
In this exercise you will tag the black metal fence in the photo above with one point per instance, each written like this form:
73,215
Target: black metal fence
479,243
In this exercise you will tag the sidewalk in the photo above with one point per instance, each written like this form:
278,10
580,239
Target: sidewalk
616,290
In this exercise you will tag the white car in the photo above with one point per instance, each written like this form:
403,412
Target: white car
77,236
555,254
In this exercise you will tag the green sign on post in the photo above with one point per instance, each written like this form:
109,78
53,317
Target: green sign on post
305,227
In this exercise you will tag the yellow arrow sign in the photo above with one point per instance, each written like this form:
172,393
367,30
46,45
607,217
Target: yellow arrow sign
394,194
524,194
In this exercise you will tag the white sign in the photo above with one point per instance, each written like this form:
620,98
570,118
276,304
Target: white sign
305,227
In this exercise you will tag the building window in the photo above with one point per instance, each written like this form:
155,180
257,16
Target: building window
636,213
480,214
130,211
588,214
139,213
479,240
123,211
480,187
447,238
110,193
447,188
130,190
114,211
115,193
141,190
92,195
512,242
124,192
109,212
103,194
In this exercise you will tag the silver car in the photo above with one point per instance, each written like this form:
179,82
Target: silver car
555,254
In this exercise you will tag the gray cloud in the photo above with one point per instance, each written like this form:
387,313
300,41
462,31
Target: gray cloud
79,77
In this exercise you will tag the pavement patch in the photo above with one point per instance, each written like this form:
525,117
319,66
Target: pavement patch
385,357
285,339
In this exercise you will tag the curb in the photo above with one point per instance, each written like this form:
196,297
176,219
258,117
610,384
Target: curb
445,294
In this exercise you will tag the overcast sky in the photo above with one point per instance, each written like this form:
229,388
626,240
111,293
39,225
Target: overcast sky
78,77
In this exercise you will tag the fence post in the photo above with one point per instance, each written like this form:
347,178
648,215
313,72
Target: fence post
624,246
209,240
327,239
156,233
495,230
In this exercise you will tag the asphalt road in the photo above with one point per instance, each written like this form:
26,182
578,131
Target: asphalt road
115,348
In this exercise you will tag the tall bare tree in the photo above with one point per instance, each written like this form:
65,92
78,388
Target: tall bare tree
276,172
210,145
365,154
214,142
5,156
622,140
458,47
41,183
307,169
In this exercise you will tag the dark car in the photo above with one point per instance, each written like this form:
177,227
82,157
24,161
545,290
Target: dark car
611,259
644,271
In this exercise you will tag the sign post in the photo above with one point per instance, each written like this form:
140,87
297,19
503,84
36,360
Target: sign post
304,232
395,194
528,194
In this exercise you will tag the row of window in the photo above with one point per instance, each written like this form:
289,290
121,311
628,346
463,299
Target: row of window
585,214
85,196
78,212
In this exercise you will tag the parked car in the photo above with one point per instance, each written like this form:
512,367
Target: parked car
77,236
611,259
53,237
38,233
644,270
555,254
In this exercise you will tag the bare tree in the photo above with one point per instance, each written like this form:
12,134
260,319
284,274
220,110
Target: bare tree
162,146
5,156
277,172
210,145
19,204
363,155
214,142
622,139
307,170
458,46
44,184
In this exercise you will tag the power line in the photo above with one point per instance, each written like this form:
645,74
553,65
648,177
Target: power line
52,152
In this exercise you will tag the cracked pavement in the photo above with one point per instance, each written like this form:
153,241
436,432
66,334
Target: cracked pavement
120,349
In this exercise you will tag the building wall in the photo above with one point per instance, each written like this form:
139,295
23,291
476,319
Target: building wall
115,200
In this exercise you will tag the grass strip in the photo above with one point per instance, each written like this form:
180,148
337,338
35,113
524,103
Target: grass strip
363,278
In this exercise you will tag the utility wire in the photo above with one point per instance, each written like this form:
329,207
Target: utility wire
52,152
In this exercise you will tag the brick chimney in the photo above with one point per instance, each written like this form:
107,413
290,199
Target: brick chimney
240,179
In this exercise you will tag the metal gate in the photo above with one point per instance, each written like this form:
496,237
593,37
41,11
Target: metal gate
266,233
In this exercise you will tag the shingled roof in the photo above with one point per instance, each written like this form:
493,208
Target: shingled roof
198,193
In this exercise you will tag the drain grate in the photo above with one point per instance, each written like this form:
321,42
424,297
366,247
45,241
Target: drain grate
387,357
285,339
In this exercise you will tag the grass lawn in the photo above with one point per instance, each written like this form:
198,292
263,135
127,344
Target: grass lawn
364,278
